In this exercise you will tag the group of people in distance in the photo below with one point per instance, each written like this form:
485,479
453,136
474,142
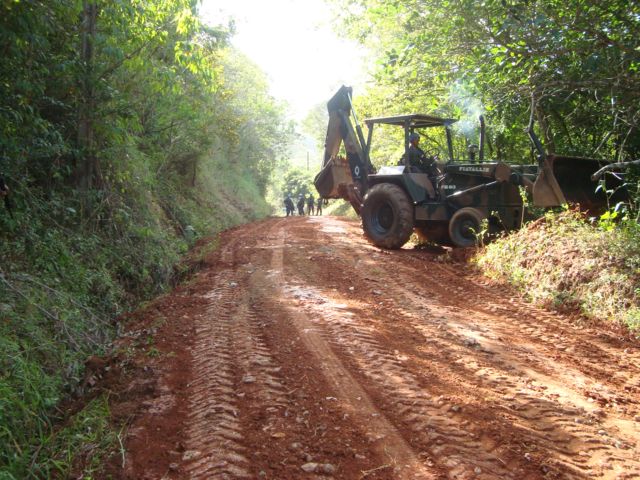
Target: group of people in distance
310,202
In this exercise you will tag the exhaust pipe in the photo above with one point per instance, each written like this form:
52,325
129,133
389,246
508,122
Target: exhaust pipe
482,137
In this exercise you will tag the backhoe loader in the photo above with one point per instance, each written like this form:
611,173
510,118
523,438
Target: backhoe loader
461,200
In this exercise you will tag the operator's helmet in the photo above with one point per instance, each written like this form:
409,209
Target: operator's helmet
414,136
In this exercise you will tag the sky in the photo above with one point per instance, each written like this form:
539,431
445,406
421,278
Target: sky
293,42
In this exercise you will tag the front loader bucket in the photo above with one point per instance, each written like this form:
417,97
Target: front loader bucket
334,174
568,180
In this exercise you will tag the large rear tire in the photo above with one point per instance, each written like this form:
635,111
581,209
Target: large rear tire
464,227
387,216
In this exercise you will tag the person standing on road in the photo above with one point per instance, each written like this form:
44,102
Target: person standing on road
300,205
319,206
311,202
288,204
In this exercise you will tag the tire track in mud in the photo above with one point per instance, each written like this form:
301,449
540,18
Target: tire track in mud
237,382
214,438
388,366
448,441
406,463
553,414
562,428
240,409
546,330
554,398
560,422
236,379
554,330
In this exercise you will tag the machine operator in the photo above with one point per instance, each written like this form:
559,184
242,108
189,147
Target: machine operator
417,157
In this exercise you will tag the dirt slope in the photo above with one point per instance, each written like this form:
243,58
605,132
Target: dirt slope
301,351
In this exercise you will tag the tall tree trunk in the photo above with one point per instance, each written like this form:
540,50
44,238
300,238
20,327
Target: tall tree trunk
87,163
545,128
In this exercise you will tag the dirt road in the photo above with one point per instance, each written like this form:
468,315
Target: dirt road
301,351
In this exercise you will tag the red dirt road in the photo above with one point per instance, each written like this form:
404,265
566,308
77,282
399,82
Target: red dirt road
299,351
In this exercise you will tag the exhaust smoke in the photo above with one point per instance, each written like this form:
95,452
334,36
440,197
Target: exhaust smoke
471,108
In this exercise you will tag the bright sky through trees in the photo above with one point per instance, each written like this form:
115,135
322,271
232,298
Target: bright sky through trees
294,43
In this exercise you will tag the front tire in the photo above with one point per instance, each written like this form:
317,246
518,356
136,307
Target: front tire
464,227
387,216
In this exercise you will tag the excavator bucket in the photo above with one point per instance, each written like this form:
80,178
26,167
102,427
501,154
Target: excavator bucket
335,173
563,180
335,181
342,177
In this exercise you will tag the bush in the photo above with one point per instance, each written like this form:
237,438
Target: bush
565,261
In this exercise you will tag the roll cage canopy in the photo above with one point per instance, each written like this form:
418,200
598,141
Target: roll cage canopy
411,122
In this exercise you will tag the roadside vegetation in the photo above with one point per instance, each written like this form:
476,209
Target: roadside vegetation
127,131
566,262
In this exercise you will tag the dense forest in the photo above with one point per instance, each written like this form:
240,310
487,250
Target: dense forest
577,60
129,129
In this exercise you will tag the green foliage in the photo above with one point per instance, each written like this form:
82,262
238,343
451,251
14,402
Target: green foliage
340,208
315,124
565,262
60,285
81,446
580,60
183,138
298,182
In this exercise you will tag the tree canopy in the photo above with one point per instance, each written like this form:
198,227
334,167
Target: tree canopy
578,59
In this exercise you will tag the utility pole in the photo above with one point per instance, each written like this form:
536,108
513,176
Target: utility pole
307,161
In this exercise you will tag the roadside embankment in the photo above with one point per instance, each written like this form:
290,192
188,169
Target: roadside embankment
565,262
65,277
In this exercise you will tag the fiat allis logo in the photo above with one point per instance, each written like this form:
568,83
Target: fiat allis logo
474,169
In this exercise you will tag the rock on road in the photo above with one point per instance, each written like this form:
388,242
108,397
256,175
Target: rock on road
298,350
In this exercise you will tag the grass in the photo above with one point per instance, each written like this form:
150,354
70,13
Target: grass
81,446
564,261
64,278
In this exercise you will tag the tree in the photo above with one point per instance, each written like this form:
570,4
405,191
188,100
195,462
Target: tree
87,166
297,182
254,121
315,124
578,59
